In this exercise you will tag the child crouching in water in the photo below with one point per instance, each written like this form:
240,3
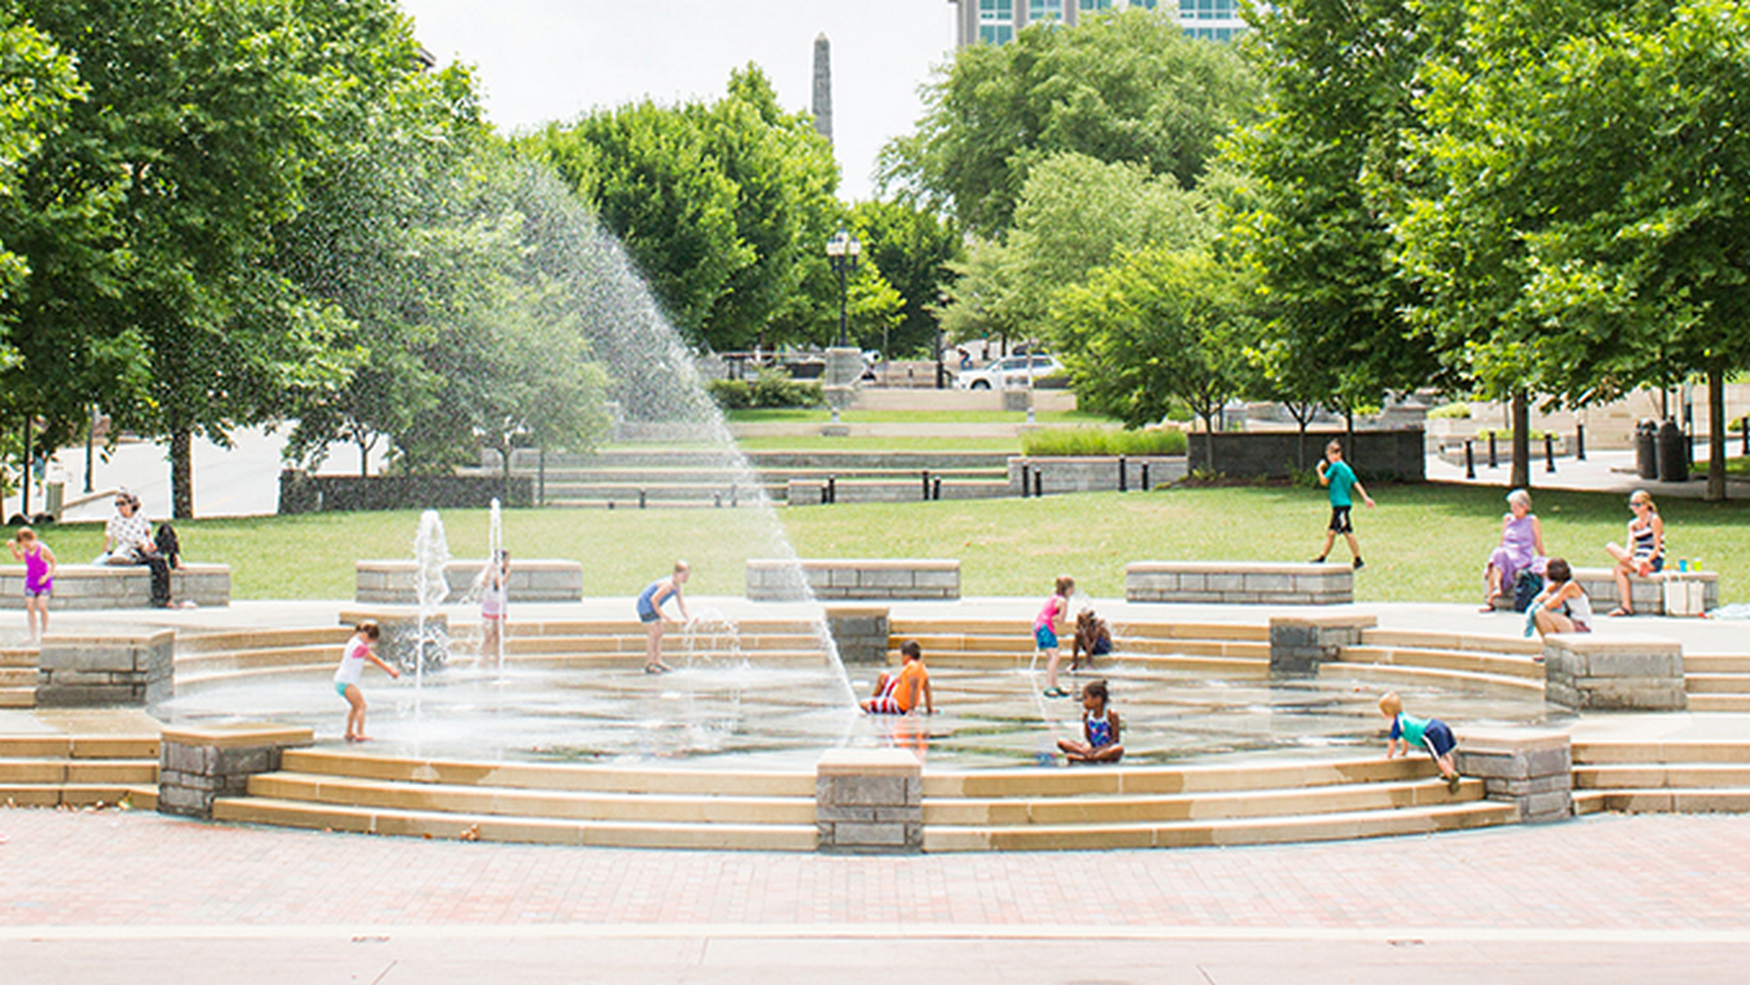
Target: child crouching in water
1562,607
1431,734
1101,728
352,668
898,694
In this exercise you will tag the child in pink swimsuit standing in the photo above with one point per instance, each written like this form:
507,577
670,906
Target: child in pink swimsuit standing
1051,618
39,579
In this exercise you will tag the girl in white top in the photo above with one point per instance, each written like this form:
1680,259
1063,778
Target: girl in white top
352,668
493,602
1563,606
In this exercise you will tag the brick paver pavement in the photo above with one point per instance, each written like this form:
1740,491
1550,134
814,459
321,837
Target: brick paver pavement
84,895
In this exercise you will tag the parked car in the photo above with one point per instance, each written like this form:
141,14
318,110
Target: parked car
1009,371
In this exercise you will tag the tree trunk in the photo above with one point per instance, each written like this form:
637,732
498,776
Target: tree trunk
1521,440
364,459
182,473
1717,424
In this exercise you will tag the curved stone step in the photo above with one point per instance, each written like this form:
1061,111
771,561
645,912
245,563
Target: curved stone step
548,776
1397,672
1134,809
1663,801
1650,776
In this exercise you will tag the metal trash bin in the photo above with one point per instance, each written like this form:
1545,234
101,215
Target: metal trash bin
1673,453
1647,450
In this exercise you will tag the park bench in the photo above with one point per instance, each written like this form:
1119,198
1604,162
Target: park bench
107,586
770,580
530,580
1239,582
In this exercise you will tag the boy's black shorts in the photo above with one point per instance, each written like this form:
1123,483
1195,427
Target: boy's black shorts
1340,520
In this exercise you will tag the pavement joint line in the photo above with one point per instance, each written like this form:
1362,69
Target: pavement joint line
874,931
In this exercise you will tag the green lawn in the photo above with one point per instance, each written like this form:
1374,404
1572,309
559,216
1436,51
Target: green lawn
1423,542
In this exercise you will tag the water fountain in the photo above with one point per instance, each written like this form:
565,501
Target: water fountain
431,554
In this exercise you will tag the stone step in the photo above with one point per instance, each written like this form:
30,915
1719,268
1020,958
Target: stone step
1034,783
1510,642
1716,663
503,828
65,794
1719,702
78,771
1239,831
1152,631
12,657
12,677
254,639
1242,666
1343,669
559,805
1715,683
631,627
1131,809
1592,752
1495,664
18,697
1630,776
1663,801
210,661
747,643
61,746
548,776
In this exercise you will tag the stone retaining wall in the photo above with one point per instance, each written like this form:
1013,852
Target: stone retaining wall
1051,475
303,493
109,586
869,801
1533,770
1394,455
1584,672
75,671
861,632
1239,582
771,580
1299,644
201,763
813,491
530,580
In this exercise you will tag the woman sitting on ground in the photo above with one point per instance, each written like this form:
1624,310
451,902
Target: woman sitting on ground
1645,555
1521,549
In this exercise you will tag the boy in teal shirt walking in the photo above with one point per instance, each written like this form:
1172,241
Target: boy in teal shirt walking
1336,473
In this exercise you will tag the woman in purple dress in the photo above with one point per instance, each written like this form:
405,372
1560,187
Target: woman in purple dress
1521,549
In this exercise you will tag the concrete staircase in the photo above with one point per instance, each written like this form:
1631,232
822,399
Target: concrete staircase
78,771
1443,658
1164,807
18,672
1649,777
1717,682
535,803
1221,648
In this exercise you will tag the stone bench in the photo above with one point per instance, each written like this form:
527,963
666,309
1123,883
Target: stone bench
1625,673
772,580
1648,594
109,586
530,580
1250,582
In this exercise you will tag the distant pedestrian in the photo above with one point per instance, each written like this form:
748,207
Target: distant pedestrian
39,579
1101,729
1053,617
1431,734
1336,473
650,603
352,670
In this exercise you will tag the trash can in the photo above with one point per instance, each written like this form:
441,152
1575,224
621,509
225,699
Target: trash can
1673,456
1646,450
55,493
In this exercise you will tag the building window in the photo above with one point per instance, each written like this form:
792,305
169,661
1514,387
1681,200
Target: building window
1044,10
996,21
1095,6
1208,10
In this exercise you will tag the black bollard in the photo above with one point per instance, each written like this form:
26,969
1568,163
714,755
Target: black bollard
1024,477
1145,486
1579,441
832,489
640,499
926,485
1746,432
1470,459
717,500
1549,452
1493,461
1038,483
610,504
936,488
1121,476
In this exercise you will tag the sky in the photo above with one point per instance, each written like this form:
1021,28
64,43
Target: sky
544,60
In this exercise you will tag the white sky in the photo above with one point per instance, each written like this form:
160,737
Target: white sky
542,60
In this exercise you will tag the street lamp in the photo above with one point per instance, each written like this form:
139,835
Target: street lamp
842,251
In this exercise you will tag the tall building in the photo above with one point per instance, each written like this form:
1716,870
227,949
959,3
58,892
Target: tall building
996,21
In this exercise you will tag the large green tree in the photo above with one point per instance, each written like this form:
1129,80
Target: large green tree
1122,87
912,248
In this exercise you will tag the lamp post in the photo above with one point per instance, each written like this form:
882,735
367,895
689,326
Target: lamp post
842,251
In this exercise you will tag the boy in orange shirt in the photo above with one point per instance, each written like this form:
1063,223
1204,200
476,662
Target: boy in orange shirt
897,694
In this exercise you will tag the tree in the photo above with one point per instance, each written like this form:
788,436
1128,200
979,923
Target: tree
1125,87
1157,326
911,248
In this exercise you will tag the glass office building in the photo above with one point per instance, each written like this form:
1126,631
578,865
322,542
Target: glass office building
996,21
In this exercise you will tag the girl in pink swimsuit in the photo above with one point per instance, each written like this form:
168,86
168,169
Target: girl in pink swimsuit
39,579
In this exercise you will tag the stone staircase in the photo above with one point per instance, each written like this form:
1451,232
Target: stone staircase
1717,682
1442,658
1221,648
78,771
1657,777
645,808
1165,807
18,673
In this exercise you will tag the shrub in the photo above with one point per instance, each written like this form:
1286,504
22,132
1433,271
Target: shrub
730,394
1064,442
1457,410
775,388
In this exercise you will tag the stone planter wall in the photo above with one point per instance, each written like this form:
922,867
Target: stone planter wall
852,578
108,586
530,580
1239,582
76,671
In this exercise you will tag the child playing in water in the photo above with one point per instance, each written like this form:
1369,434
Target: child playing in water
1431,734
39,579
898,694
1336,473
1562,607
1100,729
650,613
1093,637
1045,626
493,602
352,668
